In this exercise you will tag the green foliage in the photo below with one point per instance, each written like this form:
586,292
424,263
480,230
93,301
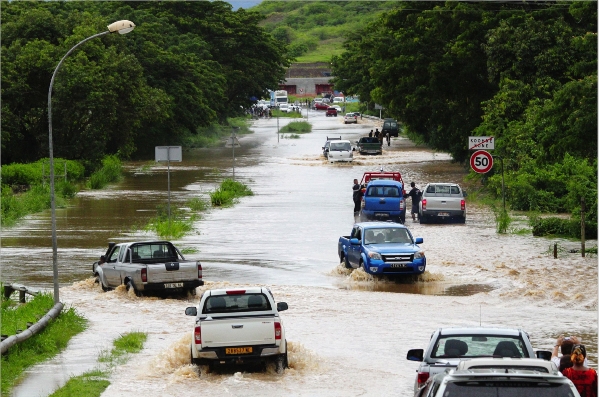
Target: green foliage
214,134
111,171
197,204
90,384
39,172
179,224
42,346
553,226
228,192
290,115
298,127
125,344
502,220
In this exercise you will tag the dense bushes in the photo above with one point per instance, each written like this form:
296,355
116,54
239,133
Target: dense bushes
228,192
111,171
39,172
562,227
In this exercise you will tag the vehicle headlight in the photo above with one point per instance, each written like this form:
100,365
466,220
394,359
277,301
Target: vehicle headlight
419,255
374,255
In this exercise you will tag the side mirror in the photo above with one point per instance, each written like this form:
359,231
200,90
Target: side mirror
419,240
415,355
354,241
191,311
281,306
543,355
464,193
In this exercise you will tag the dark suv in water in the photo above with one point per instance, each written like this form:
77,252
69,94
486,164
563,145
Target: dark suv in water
390,126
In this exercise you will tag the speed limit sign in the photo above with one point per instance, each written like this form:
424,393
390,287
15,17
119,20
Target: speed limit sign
481,161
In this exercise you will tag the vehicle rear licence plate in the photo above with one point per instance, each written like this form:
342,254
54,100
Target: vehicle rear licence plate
381,214
238,350
173,285
443,214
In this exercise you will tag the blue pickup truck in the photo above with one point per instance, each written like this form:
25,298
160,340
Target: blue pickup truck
383,200
382,248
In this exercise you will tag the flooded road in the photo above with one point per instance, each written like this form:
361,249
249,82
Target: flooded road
348,334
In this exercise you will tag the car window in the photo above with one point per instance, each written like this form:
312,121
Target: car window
505,388
448,346
454,190
114,255
387,235
340,146
383,191
236,303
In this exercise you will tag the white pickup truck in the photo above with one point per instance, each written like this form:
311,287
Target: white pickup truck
238,326
442,201
147,266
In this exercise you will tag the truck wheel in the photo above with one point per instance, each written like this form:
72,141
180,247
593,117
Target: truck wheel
462,219
346,263
422,219
280,363
402,218
130,286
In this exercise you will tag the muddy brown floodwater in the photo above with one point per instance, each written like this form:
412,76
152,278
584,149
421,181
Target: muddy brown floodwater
348,333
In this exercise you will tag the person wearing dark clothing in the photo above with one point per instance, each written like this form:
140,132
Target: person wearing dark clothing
416,195
370,134
388,136
379,135
357,196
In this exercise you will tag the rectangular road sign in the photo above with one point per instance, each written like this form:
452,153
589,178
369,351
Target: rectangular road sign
168,153
481,142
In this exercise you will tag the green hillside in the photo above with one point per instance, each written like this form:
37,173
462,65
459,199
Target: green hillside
316,30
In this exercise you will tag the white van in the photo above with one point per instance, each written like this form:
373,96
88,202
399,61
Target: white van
338,99
340,150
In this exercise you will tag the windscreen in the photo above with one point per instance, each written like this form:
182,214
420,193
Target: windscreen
158,251
387,235
494,388
236,303
383,191
340,146
453,346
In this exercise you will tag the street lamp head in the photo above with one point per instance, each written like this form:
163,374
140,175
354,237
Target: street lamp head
123,27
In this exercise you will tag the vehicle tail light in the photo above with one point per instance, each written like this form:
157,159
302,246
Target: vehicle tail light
199,270
144,275
363,203
402,204
463,204
423,204
277,330
422,377
197,336
236,292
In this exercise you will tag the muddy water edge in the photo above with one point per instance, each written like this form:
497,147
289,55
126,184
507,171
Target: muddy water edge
341,325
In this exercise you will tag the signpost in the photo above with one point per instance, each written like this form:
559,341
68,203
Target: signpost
481,142
481,161
233,142
168,154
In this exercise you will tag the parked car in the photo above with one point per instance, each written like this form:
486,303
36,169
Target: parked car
516,378
325,148
238,326
384,200
350,118
382,248
340,151
442,201
147,266
321,105
337,108
284,107
331,111
449,346
338,99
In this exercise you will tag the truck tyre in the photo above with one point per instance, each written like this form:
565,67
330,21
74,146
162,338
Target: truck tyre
280,363
402,218
422,218
130,286
462,219
346,263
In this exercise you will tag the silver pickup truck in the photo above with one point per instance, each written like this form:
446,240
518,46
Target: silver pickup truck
147,266
441,201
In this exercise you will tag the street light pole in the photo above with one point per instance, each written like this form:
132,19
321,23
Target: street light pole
121,27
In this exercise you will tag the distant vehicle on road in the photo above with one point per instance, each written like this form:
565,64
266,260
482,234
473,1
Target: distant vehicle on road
350,118
442,201
340,151
390,126
383,200
321,105
331,112
325,148
369,145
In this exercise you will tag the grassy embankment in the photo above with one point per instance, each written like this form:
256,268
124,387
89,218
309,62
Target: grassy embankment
26,188
213,135
40,347
295,128
181,221
93,383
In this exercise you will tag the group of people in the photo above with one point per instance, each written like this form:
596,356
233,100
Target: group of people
573,364
415,194
380,136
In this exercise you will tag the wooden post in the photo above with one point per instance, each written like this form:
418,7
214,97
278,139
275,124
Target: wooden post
555,250
582,237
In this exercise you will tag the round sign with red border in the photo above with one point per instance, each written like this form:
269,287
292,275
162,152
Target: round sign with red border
481,161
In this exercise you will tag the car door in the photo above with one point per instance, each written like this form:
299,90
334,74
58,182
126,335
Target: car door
110,270
354,251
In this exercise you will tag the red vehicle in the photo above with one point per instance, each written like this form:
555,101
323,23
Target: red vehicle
321,106
331,112
371,176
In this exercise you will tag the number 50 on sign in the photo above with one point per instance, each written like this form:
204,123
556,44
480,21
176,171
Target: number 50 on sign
481,161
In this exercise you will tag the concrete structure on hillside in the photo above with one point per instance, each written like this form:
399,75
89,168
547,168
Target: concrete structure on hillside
309,79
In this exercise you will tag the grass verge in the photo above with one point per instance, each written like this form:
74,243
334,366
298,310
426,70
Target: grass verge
111,171
176,226
297,127
93,383
228,192
40,347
